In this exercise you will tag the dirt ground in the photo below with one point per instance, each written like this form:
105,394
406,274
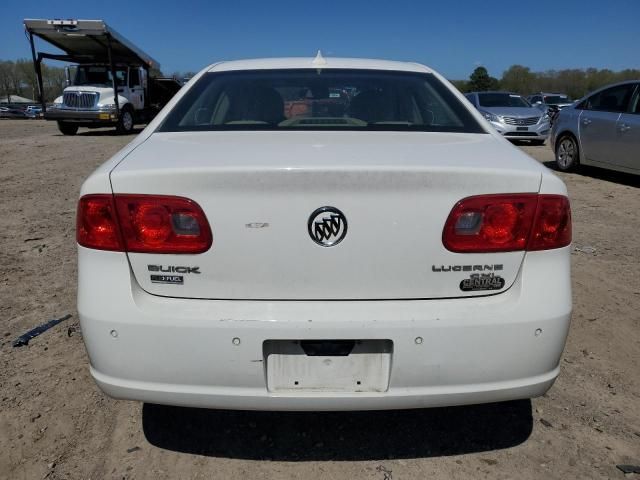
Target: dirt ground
56,424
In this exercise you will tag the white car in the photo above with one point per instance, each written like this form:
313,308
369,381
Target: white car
323,234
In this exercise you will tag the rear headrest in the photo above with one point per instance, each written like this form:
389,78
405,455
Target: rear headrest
372,106
266,105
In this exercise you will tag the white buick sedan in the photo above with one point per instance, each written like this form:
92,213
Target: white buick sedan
323,234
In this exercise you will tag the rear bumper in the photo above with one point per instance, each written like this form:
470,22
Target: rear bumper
182,352
81,116
231,398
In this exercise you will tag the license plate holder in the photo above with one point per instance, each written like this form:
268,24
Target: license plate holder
522,129
366,368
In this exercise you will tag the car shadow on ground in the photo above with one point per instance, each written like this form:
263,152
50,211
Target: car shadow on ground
338,436
602,174
526,143
104,132
110,132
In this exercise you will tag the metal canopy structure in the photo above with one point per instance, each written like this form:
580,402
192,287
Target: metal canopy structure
84,41
88,41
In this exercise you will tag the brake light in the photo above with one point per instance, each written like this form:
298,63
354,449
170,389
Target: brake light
508,222
96,225
143,224
552,228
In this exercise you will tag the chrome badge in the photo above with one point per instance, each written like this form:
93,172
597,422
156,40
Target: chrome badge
327,226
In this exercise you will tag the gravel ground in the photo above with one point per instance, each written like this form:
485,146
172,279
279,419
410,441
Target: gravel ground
55,423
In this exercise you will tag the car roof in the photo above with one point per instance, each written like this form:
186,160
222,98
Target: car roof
625,82
317,62
497,91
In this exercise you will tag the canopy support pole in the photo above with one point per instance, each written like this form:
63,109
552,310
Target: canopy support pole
37,63
114,80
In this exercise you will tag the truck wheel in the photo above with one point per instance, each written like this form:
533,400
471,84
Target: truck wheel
67,128
125,122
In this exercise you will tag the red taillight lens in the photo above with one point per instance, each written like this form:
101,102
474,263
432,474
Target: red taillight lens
490,223
96,225
151,223
508,222
552,228
148,224
162,224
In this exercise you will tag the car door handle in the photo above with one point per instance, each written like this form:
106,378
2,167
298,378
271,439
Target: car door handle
624,128
586,121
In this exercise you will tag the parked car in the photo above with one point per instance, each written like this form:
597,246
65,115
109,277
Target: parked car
396,254
602,129
546,100
11,112
33,111
551,103
512,116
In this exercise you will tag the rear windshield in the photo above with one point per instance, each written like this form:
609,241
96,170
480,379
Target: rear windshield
323,99
502,100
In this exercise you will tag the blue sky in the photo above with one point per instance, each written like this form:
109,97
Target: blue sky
450,36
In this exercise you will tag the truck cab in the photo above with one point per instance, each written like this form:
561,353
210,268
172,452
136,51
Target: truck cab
131,83
89,100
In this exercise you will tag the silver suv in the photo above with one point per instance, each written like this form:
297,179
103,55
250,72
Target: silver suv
512,116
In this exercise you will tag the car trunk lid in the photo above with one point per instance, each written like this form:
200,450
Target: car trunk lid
259,191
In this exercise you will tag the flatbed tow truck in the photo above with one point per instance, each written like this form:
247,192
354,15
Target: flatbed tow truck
113,83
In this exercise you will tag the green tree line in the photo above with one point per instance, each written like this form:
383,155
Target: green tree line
574,82
19,78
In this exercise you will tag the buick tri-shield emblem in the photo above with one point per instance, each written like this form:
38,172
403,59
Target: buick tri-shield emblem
327,226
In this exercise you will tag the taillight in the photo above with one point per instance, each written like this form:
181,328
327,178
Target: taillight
96,225
552,227
508,222
143,224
